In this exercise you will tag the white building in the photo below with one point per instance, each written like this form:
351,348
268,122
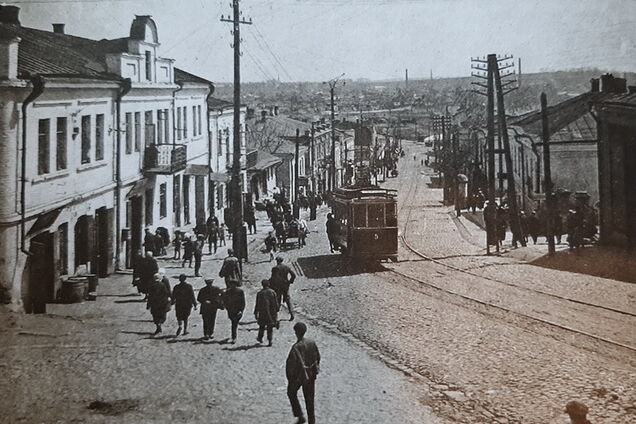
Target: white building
100,139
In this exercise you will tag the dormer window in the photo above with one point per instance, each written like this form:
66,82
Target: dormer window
148,66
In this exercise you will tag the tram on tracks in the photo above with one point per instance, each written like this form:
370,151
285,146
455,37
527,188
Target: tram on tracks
366,222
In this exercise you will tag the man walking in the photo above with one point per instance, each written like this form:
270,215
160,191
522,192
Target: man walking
158,302
198,254
332,229
282,277
210,299
302,368
230,270
147,270
266,312
184,301
234,301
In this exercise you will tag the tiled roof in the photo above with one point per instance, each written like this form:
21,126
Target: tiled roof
263,161
626,99
48,53
216,103
571,116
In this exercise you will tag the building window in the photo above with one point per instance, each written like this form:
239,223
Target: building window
129,133
163,205
220,144
199,119
166,126
148,66
186,198
185,122
159,127
137,131
99,137
44,128
149,206
63,247
60,142
219,196
179,128
86,139
150,128
194,121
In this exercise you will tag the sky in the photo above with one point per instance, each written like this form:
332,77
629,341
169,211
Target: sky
316,40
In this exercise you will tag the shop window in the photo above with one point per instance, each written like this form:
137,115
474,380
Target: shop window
44,129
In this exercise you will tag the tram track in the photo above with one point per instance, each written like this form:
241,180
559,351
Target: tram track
406,207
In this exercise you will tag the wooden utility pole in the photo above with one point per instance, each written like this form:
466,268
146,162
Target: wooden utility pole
312,157
297,157
547,174
236,202
515,224
490,128
332,175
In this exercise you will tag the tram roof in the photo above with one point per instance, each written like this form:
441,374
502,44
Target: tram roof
360,192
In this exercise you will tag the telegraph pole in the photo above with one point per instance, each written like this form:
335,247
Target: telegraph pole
235,182
296,205
312,156
547,173
332,175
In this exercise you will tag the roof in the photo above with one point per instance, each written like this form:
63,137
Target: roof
216,103
624,100
263,161
570,117
48,53
283,126
285,146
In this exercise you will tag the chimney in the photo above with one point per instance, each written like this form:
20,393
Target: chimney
607,83
9,57
250,113
275,110
58,28
632,89
263,115
595,82
10,15
620,85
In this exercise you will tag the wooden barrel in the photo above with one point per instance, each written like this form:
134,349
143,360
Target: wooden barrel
74,289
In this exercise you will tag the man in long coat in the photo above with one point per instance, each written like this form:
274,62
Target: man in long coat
266,312
183,301
234,301
158,302
282,277
302,367
210,299
148,267
230,270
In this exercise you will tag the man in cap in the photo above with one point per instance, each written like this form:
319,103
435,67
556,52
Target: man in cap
210,299
198,254
158,302
230,270
184,301
282,277
234,302
266,312
577,412
302,368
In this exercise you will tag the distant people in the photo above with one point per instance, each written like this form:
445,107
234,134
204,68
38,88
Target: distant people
211,301
188,251
230,270
149,241
332,230
266,312
523,221
242,255
183,301
573,223
136,263
490,219
577,412
176,244
221,235
158,302
312,207
557,227
198,254
303,230
271,245
147,270
234,302
502,224
302,368
282,277
160,248
250,219
213,236
533,226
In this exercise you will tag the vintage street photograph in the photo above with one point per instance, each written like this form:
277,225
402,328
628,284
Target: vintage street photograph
318,211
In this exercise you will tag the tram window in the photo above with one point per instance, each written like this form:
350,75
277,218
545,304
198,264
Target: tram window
391,218
359,216
376,215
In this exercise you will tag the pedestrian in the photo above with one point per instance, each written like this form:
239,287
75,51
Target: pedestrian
149,241
557,227
183,301
243,234
533,225
212,221
523,221
188,251
312,207
136,263
577,412
147,271
282,277
234,301
221,235
230,270
198,254
266,312
302,232
573,224
213,235
490,219
250,219
302,368
502,224
271,244
332,230
158,302
211,301
160,249
176,244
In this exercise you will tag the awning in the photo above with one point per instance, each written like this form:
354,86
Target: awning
139,188
45,220
219,177
198,170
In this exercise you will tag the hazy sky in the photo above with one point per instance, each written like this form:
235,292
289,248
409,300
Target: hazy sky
314,40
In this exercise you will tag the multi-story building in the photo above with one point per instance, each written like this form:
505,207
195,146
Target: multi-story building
99,140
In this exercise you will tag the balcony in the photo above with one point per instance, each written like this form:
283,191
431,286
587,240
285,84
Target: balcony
165,158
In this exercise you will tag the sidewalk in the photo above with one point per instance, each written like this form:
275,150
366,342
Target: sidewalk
56,365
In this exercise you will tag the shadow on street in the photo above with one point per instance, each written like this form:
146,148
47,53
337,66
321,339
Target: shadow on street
328,266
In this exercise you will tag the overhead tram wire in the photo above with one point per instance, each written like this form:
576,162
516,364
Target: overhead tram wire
272,53
277,69
258,64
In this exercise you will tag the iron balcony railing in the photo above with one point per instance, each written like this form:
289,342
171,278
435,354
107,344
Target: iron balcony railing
165,158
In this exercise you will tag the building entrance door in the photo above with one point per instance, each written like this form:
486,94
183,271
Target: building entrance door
136,223
41,274
199,199
104,247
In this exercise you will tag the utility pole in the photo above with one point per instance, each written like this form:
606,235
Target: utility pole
297,155
332,175
312,156
547,173
235,182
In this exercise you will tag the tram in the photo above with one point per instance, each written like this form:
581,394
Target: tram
366,218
